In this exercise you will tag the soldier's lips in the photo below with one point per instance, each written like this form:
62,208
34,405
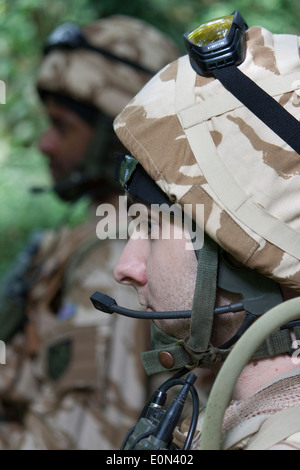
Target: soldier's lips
148,308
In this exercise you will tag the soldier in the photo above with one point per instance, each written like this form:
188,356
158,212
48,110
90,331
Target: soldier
218,129
72,378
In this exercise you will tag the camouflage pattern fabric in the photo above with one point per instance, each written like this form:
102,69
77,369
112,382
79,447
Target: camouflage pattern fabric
217,153
101,82
246,422
74,379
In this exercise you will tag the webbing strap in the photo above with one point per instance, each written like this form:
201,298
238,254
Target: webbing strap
279,342
181,357
277,428
195,112
204,298
286,50
264,106
232,196
164,343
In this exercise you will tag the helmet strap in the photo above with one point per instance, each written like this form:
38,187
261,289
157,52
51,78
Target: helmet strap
196,348
204,298
259,294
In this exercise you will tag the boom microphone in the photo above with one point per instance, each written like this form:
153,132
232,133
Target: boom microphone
108,305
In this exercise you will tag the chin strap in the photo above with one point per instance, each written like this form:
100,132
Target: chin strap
204,300
171,353
259,293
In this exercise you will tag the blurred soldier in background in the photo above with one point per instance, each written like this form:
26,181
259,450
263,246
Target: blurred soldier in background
73,378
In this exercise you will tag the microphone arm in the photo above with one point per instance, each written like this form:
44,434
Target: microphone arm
108,305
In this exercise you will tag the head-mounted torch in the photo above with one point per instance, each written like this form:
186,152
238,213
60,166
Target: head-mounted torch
217,48
216,44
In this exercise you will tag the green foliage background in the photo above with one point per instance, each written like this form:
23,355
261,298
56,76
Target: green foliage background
24,25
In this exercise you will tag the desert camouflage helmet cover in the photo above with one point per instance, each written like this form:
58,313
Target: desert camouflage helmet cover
202,146
104,83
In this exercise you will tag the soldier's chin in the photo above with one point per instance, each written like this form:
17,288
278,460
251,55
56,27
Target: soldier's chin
178,328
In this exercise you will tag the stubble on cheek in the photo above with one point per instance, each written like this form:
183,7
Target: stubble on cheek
175,287
179,328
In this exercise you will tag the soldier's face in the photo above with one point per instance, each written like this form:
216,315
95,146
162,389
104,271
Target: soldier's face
65,141
162,271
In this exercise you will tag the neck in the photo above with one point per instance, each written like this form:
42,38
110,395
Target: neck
257,374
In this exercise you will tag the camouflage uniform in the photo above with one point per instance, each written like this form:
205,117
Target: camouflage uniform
249,189
73,379
83,383
268,420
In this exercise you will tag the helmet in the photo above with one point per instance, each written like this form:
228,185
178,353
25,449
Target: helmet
95,70
220,154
